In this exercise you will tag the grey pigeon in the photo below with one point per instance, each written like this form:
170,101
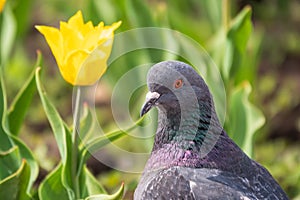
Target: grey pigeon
192,156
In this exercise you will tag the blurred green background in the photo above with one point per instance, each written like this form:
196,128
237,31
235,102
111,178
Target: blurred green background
273,49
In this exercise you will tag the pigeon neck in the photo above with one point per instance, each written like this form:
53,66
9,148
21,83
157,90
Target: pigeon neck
187,128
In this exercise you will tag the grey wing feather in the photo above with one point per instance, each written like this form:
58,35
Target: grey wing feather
192,184
211,184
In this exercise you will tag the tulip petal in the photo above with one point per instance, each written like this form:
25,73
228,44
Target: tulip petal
72,39
54,40
108,31
76,21
77,24
93,67
91,40
72,64
87,67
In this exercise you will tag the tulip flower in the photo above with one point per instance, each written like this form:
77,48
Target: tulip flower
81,50
2,3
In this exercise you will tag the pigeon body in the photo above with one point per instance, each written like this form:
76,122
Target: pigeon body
192,155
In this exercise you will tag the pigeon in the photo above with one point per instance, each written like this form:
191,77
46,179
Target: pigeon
192,156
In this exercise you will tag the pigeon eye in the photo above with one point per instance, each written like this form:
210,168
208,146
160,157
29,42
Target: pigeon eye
178,83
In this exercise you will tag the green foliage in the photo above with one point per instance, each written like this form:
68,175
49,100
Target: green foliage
236,42
61,181
15,186
22,101
6,142
229,50
22,10
8,33
63,138
18,167
27,155
241,110
52,186
117,196
61,133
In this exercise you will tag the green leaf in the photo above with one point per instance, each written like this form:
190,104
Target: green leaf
90,185
117,196
101,141
252,60
10,162
240,29
6,142
23,12
62,136
8,33
52,186
236,42
67,176
54,118
244,118
12,150
26,154
22,101
14,187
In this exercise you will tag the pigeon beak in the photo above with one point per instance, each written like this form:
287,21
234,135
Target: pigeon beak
151,99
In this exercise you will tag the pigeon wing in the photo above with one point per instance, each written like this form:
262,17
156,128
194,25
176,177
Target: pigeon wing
187,183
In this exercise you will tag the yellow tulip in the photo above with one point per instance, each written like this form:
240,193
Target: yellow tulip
80,49
2,3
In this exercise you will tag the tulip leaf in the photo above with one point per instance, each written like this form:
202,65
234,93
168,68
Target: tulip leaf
98,143
236,42
90,185
103,140
6,142
117,196
54,118
12,150
14,186
240,29
251,61
26,154
245,118
52,186
9,162
22,12
22,101
62,136
67,179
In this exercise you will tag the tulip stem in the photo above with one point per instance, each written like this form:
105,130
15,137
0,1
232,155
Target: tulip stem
75,141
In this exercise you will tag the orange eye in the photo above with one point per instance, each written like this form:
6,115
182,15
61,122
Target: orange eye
178,83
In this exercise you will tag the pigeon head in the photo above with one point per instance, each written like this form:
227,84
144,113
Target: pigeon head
175,87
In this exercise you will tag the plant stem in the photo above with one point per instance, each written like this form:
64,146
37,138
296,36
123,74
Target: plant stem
75,141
